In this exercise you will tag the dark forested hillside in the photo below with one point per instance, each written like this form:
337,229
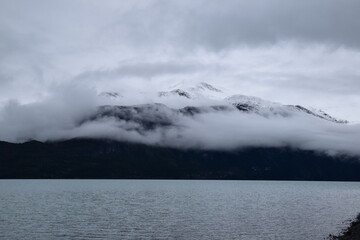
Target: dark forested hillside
85,158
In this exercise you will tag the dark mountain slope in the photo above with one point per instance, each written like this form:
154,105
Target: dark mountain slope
84,158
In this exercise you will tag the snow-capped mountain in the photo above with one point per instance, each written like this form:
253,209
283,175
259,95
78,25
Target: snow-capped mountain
153,115
268,108
200,90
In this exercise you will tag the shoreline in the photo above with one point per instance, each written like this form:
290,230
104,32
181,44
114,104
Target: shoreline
352,232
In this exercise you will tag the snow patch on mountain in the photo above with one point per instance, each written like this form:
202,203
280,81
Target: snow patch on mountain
175,92
321,114
112,95
201,90
267,108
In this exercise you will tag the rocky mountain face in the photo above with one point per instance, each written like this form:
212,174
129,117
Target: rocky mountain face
267,108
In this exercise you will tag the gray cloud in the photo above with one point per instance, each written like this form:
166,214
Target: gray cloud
220,25
62,117
295,52
181,24
59,112
143,70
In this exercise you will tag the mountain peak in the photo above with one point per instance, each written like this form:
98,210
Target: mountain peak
206,86
256,101
267,108
175,92
110,94
199,90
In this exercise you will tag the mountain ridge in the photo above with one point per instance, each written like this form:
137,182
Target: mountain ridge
243,103
108,159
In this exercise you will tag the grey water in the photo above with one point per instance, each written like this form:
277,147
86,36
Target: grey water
167,209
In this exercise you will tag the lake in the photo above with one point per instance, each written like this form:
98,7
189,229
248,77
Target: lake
171,209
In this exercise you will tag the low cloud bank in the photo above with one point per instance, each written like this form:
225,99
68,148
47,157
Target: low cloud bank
66,115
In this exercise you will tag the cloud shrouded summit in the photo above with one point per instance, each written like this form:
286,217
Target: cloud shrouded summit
56,57
199,116
299,52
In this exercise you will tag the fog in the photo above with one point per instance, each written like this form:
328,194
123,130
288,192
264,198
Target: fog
65,115
56,57
295,52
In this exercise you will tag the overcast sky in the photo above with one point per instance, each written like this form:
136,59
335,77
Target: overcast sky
294,52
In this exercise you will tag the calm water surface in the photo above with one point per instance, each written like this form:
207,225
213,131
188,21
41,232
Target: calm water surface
148,209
